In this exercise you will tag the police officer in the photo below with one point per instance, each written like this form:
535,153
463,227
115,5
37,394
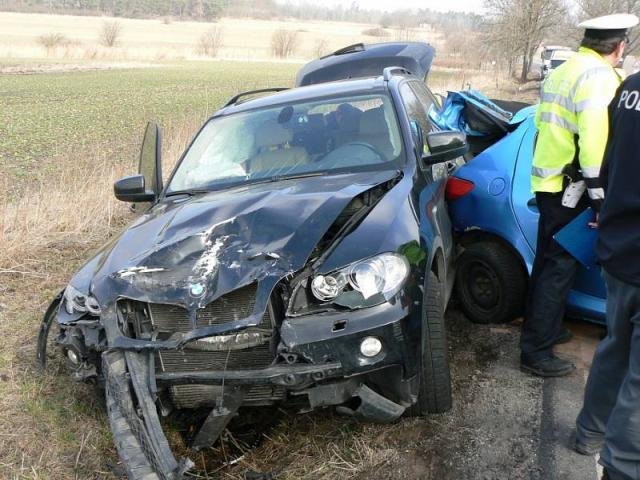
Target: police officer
572,124
611,411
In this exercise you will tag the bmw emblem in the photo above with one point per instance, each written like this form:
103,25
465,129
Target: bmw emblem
196,289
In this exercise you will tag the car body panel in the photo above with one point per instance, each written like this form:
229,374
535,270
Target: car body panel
509,161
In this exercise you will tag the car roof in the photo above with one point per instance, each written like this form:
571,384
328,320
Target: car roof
360,60
300,94
562,54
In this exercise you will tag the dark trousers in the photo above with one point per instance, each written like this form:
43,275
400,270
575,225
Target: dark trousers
553,274
611,409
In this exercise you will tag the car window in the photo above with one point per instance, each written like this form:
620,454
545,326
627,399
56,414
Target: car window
358,132
425,96
415,110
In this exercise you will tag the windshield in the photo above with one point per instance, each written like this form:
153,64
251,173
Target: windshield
316,137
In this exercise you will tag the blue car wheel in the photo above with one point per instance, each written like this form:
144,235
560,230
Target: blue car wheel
491,283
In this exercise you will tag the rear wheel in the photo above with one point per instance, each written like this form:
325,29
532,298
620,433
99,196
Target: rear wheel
491,284
434,391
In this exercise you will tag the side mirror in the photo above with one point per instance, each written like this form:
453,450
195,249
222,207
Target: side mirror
444,147
131,189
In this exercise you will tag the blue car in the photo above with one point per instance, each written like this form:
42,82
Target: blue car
495,219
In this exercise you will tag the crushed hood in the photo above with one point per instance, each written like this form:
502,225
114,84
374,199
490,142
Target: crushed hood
189,251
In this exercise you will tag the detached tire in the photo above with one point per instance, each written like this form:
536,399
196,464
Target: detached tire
434,390
491,284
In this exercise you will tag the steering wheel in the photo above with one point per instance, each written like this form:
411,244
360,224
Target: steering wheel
380,156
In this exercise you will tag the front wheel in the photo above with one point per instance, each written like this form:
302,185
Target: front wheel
434,391
491,284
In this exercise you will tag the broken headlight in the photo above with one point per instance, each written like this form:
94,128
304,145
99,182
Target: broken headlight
77,302
381,276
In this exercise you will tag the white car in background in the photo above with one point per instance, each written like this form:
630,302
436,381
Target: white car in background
546,54
558,57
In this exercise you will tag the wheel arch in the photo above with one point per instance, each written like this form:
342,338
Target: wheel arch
438,265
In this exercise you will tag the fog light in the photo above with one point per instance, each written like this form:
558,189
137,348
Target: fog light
370,347
73,357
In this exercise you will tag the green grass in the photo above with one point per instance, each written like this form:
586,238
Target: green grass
45,116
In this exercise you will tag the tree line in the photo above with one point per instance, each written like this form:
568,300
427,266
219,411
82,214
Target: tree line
208,10
183,9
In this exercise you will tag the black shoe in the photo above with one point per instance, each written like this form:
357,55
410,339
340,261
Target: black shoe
564,336
551,366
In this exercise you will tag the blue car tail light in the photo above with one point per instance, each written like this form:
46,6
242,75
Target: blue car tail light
457,188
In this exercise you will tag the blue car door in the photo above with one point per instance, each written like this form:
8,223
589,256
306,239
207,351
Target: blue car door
588,283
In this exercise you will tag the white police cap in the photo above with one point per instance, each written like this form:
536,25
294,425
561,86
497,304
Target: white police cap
618,21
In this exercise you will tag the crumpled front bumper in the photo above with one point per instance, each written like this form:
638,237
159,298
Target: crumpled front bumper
329,370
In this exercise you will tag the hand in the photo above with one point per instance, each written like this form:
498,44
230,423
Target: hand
594,224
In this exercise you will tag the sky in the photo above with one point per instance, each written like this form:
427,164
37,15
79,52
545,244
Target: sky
439,5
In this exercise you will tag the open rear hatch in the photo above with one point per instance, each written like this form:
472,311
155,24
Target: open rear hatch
360,60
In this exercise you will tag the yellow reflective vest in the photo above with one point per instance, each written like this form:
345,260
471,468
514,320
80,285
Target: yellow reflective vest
572,118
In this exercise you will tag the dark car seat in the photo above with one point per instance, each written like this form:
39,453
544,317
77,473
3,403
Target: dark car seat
274,153
375,131
345,121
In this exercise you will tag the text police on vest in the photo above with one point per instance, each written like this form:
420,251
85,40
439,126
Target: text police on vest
629,99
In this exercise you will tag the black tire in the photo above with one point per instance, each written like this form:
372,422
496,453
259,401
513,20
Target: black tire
434,376
491,283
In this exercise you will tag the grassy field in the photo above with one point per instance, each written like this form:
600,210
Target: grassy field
157,40
49,116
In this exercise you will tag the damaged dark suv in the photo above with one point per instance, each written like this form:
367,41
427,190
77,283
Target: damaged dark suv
300,252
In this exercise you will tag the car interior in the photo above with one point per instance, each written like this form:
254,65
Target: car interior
342,135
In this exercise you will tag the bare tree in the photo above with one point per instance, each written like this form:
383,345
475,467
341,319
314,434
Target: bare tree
110,33
283,42
210,42
405,26
51,41
320,48
519,26
597,8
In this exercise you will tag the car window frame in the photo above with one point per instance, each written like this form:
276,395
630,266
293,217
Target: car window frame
421,111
